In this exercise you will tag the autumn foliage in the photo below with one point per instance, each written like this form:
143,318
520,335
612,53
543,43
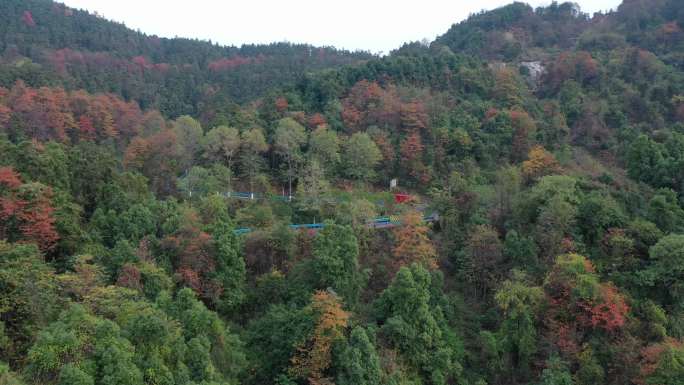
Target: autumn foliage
414,118
412,244
28,19
225,64
314,356
368,104
580,303
66,61
316,120
539,163
156,157
411,157
654,360
26,212
579,66
608,312
281,104
194,263
524,130
9,178
55,114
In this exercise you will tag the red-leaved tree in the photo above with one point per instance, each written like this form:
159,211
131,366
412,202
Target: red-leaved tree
26,212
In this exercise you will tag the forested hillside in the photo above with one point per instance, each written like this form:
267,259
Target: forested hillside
177,212
48,44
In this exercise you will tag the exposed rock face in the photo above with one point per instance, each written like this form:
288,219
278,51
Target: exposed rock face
535,70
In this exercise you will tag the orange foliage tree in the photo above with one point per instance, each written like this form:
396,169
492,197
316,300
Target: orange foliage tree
524,129
609,311
26,211
27,18
411,157
54,114
157,157
316,120
193,256
368,104
281,104
412,243
579,66
539,163
86,129
580,303
413,117
661,362
314,356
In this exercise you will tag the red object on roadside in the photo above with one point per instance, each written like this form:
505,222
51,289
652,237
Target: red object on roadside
402,198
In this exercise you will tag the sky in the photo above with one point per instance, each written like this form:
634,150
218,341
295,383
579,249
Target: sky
378,26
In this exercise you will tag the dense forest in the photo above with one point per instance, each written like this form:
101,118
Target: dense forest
173,211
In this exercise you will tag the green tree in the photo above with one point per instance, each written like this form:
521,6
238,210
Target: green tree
76,338
356,212
519,303
665,212
485,258
29,299
561,187
189,133
7,377
645,235
272,341
358,363
122,253
213,338
335,263
157,339
668,367
4,340
645,160
230,268
324,147
597,213
521,251
507,187
361,156
417,328
571,101
252,145
73,375
313,187
221,144
556,373
200,181
590,371
288,140
554,224
666,270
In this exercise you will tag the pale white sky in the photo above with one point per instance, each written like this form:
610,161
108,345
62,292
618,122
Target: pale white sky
372,25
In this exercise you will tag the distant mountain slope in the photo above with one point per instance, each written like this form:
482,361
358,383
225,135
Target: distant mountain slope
519,32
508,32
80,50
